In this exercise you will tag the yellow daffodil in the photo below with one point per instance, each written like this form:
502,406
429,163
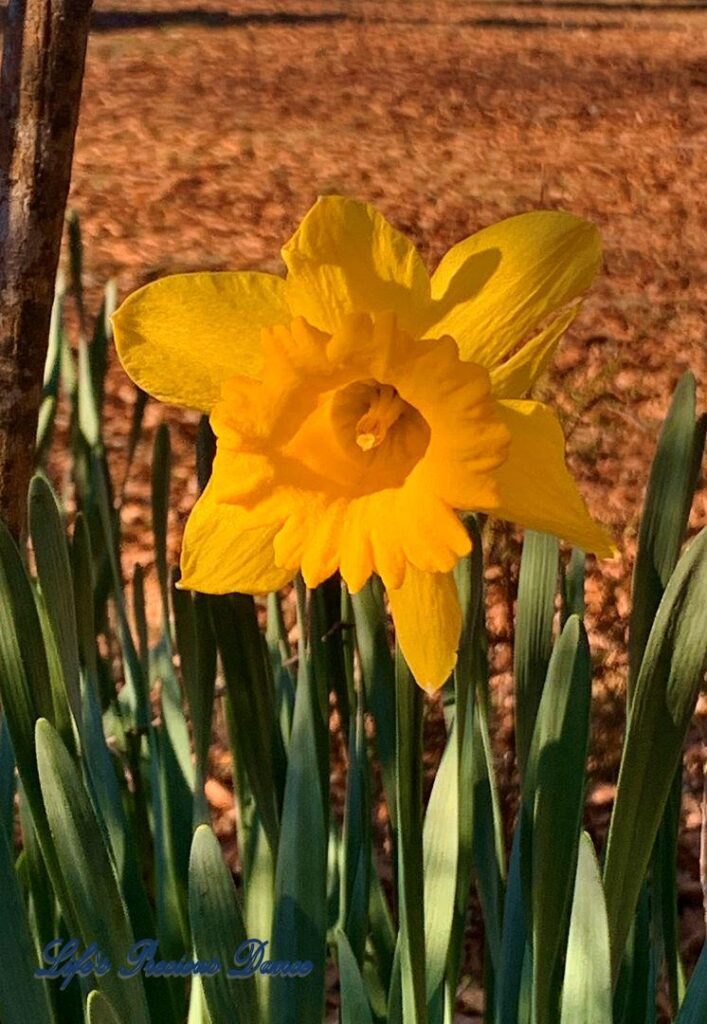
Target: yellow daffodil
359,404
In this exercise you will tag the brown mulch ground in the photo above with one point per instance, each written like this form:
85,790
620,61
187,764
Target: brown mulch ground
206,134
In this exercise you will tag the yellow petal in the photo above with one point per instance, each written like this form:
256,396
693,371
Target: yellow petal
431,534
370,541
515,377
346,258
428,624
181,337
241,477
223,552
495,287
386,545
467,436
320,558
355,546
534,487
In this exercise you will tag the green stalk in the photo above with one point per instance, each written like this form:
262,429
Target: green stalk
409,705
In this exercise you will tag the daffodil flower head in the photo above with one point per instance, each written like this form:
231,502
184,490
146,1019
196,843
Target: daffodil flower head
361,404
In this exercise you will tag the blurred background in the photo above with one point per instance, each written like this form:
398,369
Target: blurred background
207,131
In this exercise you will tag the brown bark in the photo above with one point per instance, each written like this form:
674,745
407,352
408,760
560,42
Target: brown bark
40,89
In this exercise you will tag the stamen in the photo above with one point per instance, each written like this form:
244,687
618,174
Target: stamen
366,441
385,409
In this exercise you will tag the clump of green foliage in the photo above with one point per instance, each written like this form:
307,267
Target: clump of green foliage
105,742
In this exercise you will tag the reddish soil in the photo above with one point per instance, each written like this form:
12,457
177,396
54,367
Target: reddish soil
204,138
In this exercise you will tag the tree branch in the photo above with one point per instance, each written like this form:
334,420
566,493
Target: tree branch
40,90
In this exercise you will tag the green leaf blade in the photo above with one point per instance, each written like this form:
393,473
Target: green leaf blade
586,992
100,1011
533,639
88,871
218,931
24,999
553,799
300,918
665,513
355,1008
666,691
